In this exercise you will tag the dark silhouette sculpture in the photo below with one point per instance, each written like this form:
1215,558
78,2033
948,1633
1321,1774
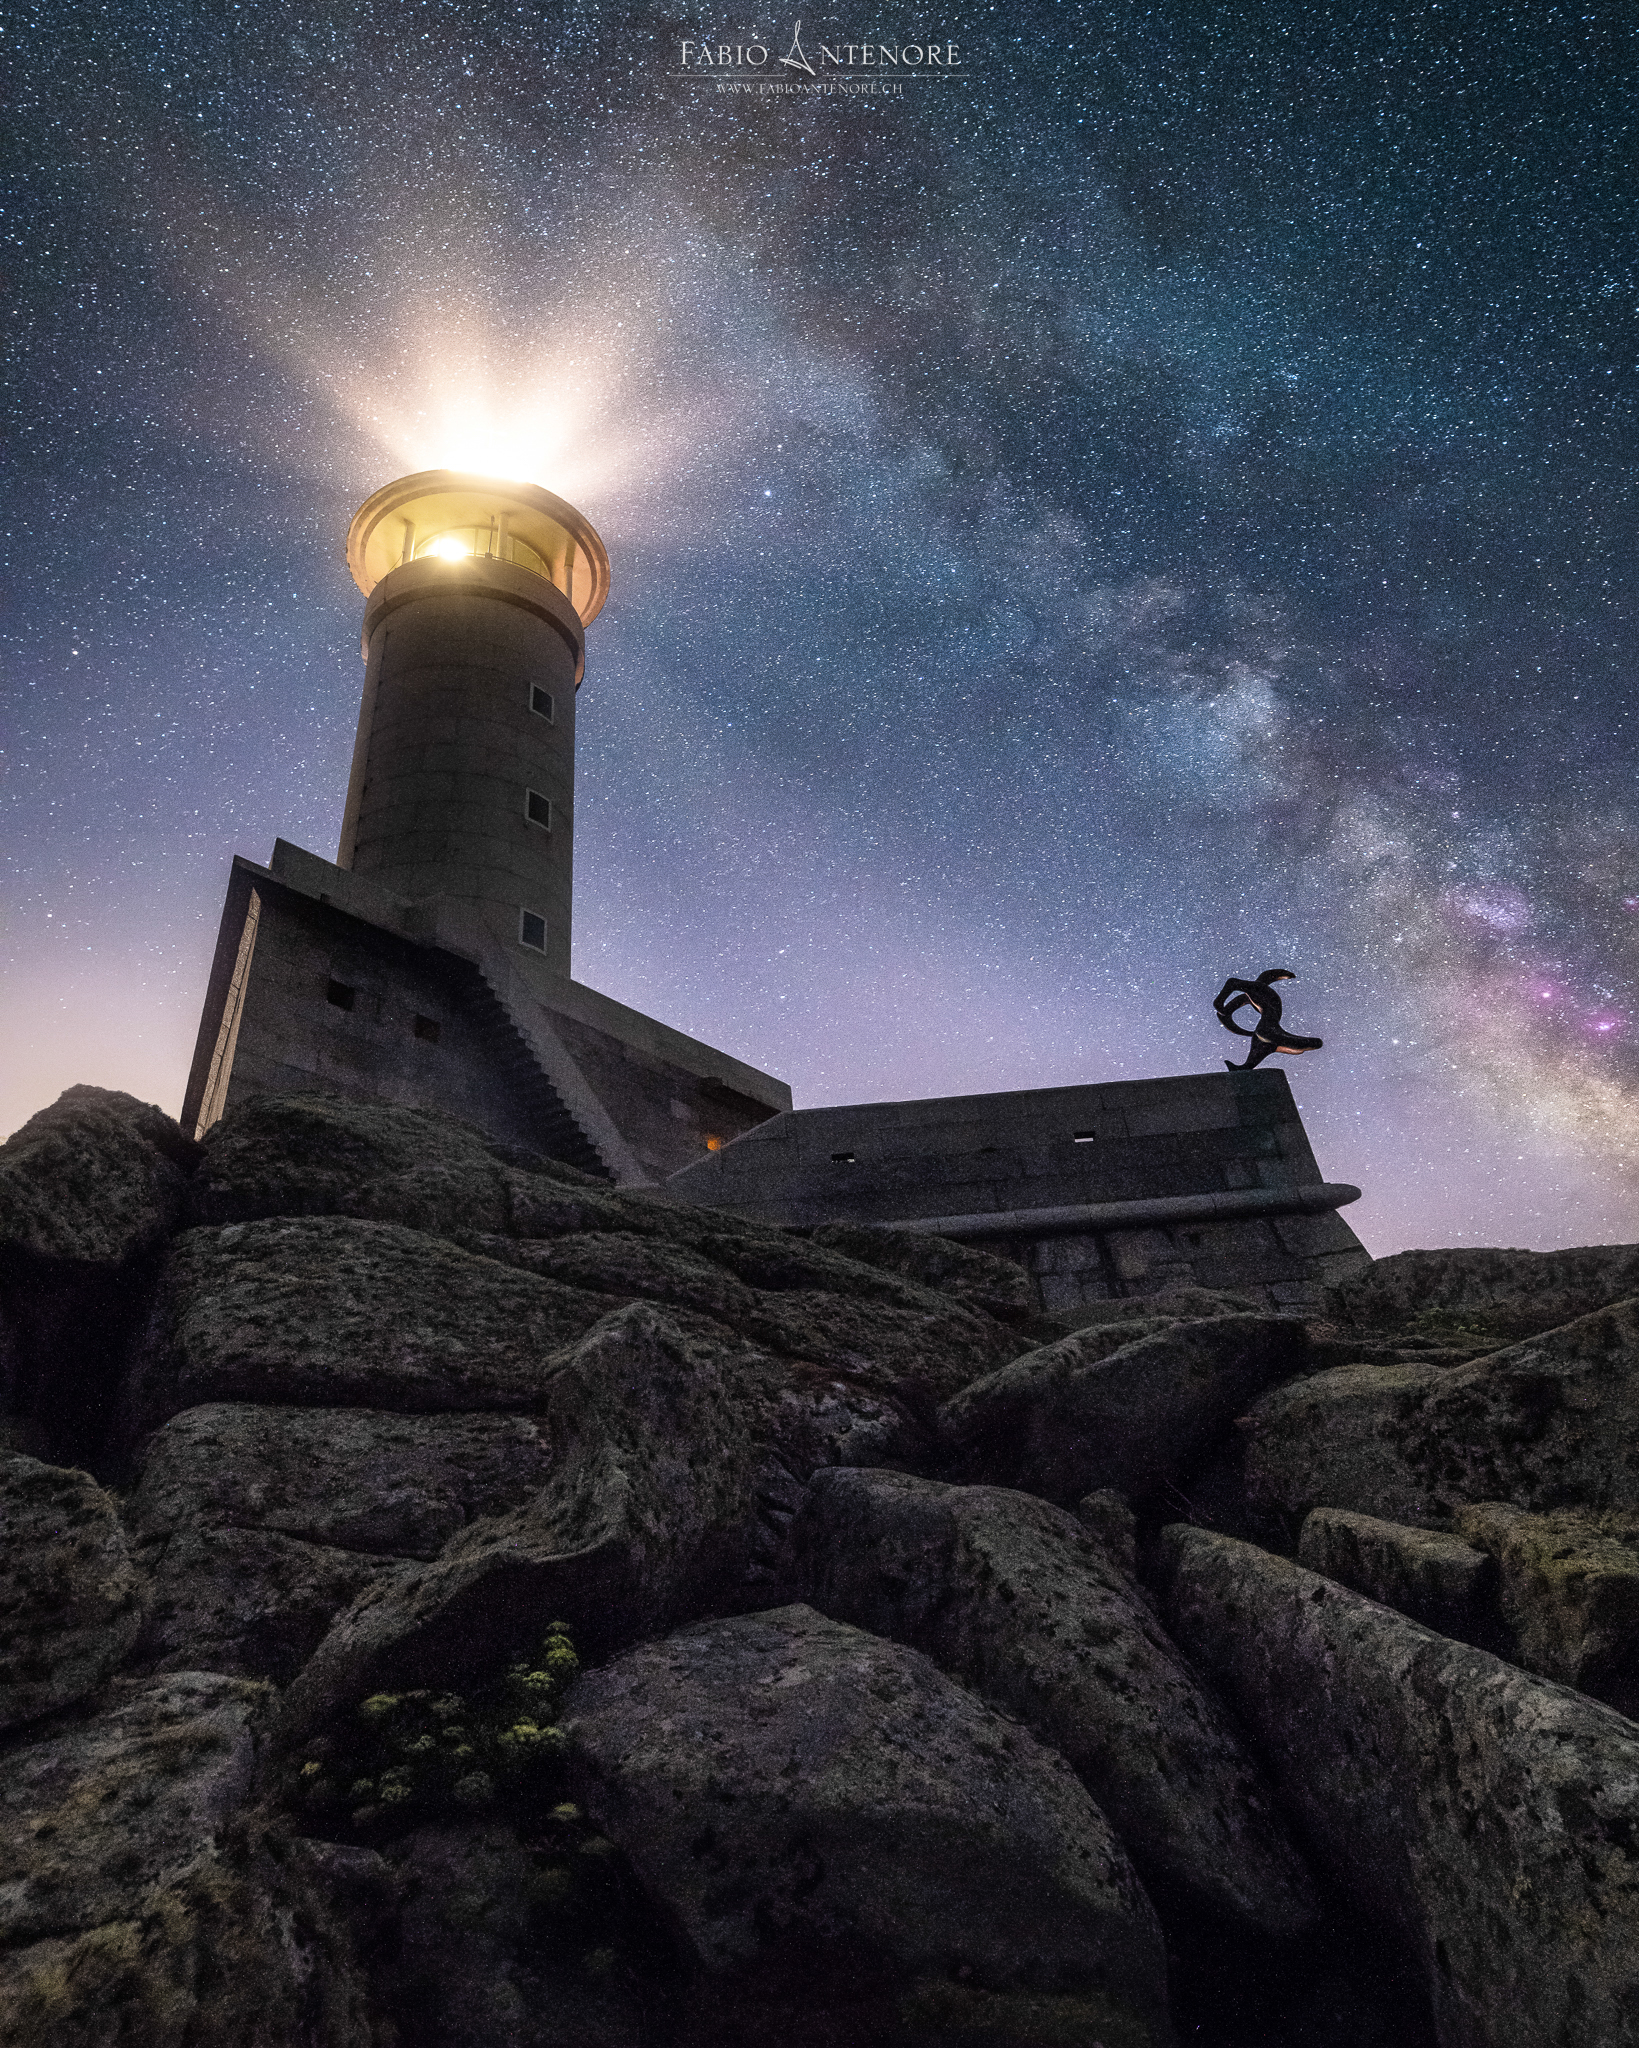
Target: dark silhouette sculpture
1267,1035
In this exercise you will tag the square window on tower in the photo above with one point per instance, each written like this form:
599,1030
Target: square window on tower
532,930
540,702
538,809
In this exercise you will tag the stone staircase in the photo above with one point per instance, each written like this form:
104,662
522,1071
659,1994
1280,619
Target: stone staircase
558,1135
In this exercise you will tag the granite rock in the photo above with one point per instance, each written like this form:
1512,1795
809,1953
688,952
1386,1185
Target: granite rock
477,1962
1550,1422
1171,1304
1105,1408
258,1525
1509,1293
1489,1816
330,1312
1570,1594
1020,1602
904,1340
90,1183
788,1787
352,1478
327,1155
240,1948
97,1814
246,1601
1439,1579
649,1513
89,1189
980,1280
71,1596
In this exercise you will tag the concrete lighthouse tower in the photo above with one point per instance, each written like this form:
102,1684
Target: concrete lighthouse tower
478,596
428,964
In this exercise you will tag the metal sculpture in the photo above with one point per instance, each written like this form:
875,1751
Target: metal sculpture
1268,1034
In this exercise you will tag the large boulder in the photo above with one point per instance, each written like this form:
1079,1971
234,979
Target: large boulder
259,1525
1490,1817
904,1341
328,1155
322,1156
327,1312
89,1189
246,1601
999,1287
71,1596
1551,1422
331,1311
1509,1293
90,1183
795,1792
102,1812
1439,1579
358,1478
1104,1408
650,1513
510,1941
1020,1602
1570,1594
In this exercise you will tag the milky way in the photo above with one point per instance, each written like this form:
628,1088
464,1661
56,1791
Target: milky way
1151,503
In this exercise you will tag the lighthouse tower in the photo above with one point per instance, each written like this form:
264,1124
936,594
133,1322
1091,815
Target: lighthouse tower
478,595
428,964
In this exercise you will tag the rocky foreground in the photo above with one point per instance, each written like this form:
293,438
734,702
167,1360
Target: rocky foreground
449,1603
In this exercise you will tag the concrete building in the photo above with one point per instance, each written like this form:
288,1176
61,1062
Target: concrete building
1122,1187
428,964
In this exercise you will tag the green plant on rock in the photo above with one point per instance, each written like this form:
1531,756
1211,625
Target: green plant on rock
409,1757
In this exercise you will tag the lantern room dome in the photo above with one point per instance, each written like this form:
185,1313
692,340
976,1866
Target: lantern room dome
444,515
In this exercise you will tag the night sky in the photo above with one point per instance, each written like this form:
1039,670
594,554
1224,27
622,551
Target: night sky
1155,504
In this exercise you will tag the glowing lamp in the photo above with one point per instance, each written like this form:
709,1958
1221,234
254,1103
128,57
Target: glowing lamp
447,516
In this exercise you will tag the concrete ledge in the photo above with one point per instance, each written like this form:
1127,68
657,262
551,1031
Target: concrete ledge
1095,1216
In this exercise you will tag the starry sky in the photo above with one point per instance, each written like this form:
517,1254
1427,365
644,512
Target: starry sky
1154,502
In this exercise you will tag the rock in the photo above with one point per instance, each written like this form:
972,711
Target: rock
979,1280
1491,1817
240,1949
1440,1580
259,1525
88,1190
353,1478
790,1788
90,1183
328,1312
1172,1304
247,1601
1080,1414
71,1598
901,1340
1114,1525
1017,1600
649,1512
321,1155
1506,1294
484,1961
139,1905
1552,1422
99,1813
1570,1593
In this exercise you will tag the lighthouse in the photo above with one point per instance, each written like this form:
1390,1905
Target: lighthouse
429,963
